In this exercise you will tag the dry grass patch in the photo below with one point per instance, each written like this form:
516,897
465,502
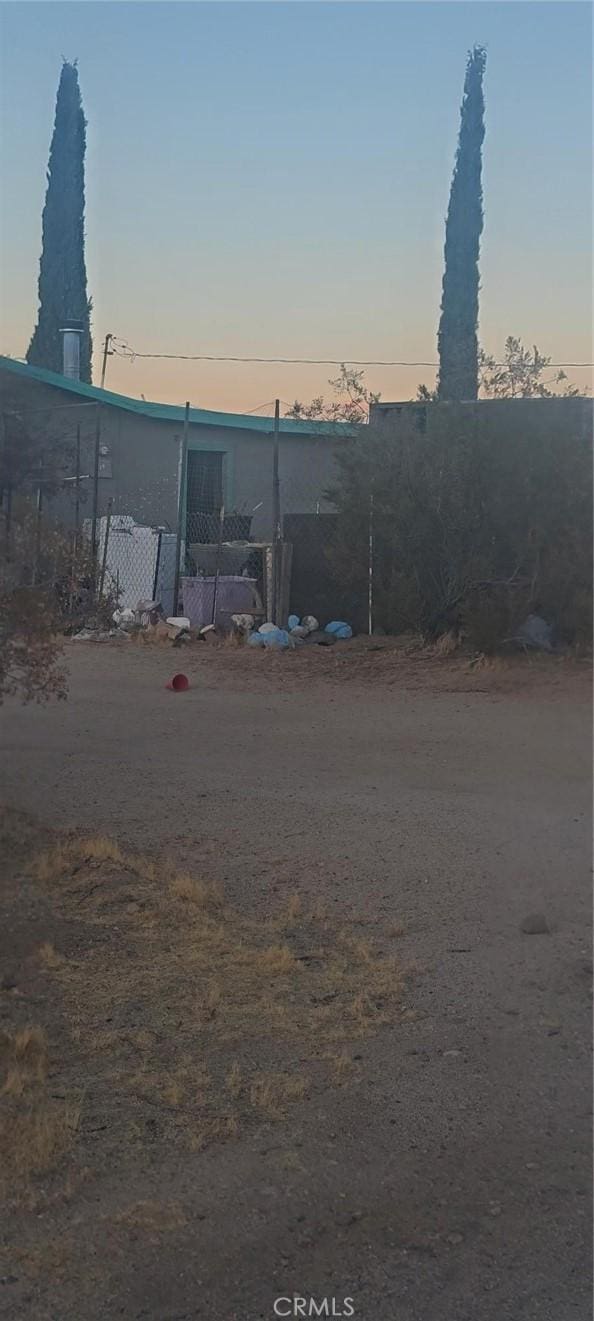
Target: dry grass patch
276,961
54,863
34,1140
49,957
210,1003
189,1018
343,1067
235,1080
290,915
273,1093
217,1128
190,891
23,1060
447,644
43,1260
151,1217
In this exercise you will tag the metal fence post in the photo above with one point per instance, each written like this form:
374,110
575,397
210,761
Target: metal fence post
215,589
94,546
181,470
105,545
76,523
77,491
275,515
39,502
8,522
7,491
370,569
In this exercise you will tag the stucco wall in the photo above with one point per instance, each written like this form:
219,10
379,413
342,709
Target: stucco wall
523,418
140,470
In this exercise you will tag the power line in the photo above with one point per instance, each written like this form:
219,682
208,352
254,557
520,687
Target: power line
49,408
125,351
269,404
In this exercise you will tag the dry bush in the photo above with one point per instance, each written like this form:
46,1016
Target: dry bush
447,643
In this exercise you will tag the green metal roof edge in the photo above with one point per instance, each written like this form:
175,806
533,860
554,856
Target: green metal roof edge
172,412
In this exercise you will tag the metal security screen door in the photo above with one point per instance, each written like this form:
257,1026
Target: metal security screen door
204,495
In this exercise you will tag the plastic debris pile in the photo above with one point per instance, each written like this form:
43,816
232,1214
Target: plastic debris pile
298,632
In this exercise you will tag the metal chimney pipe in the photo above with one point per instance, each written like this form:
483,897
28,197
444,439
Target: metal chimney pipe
71,336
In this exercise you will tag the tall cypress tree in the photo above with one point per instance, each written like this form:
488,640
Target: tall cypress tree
62,272
457,339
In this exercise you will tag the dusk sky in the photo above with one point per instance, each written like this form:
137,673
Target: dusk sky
272,180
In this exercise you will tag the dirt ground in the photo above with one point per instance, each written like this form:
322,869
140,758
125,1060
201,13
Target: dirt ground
270,1022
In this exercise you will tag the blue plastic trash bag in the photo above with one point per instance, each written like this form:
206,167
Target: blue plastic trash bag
294,622
256,640
339,629
277,638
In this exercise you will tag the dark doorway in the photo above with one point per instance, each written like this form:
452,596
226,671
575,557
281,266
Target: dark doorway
204,495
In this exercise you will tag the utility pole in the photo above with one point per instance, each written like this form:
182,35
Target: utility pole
107,353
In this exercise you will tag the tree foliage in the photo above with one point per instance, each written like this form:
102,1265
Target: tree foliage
62,271
518,376
30,648
457,336
471,531
352,403
33,556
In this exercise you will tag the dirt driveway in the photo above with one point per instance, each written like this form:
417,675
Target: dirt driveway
449,1181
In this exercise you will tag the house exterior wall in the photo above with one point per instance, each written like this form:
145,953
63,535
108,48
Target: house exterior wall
524,418
139,472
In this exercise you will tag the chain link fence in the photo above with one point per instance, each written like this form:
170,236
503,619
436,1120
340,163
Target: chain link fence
45,477
68,526
310,524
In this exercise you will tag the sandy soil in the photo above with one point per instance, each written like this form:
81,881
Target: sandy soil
448,1178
